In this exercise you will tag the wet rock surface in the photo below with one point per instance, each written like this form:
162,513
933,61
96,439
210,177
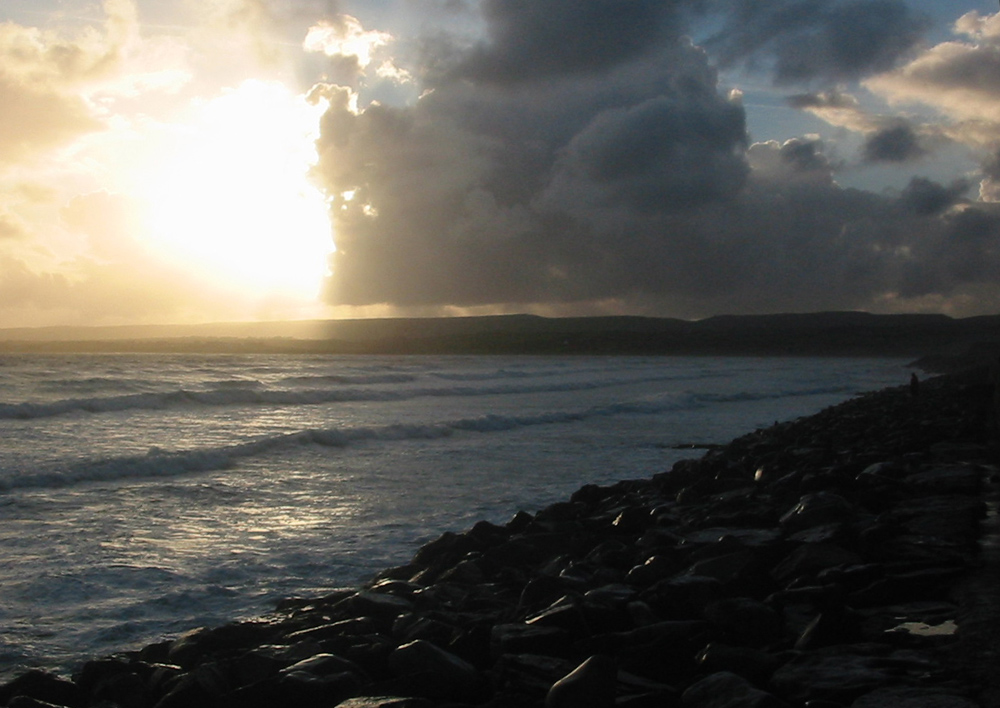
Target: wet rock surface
820,562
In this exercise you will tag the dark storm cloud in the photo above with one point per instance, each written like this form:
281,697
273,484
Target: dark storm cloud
528,39
924,196
536,175
965,249
826,100
895,143
485,192
804,155
991,165
665,153
818,40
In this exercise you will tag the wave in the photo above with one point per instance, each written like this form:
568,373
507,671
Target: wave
161,463
228,395
353,379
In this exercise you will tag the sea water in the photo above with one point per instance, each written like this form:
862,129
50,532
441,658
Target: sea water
144,495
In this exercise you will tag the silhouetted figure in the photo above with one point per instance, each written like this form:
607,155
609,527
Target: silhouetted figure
914,385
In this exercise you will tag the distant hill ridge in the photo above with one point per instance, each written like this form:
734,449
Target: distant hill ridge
820,333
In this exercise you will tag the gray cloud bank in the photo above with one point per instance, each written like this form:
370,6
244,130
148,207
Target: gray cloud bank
582,158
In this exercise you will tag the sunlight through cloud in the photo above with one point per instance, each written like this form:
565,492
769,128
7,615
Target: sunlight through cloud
233,197
346,38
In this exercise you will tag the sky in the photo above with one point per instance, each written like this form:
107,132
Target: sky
183,161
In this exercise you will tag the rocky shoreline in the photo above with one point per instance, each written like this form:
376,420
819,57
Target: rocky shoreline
837,560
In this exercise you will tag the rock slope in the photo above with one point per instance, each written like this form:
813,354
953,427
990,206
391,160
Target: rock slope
831,561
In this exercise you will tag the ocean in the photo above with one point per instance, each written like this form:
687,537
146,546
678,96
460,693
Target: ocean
145,495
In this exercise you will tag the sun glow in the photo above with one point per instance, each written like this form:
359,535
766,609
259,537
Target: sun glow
231,196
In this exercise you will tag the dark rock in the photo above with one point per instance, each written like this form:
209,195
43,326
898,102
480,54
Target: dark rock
632,520
726,690
394,586
489,534
348,627
908,697
42,686
682,597
835,626
740,571
658,541
745,621
29,702
162,676
615,594
841,675
592,684
745,537
654,569
279,656
196,645
423,657
589,495
561,512
917,623
702,550
301,688
641,614
519,522
295,605
837,534
754,665
852,577
957,479
125,690
447,549
187,692
809,560
413,626
678,633
540,592
324,665
565,615
816,509
384,702
379,605
468,571
525,679
529,639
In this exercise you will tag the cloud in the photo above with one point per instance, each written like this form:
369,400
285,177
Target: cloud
962,251
532,174
41,74
896,143
116,279
887,138
84,107
960,79
495,189
824,41
532,40
556,156
10,227
795,161
926,197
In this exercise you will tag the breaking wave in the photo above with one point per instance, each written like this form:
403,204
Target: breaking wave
163,463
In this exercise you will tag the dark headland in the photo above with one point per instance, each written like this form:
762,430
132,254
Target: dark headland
811,334
846,559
